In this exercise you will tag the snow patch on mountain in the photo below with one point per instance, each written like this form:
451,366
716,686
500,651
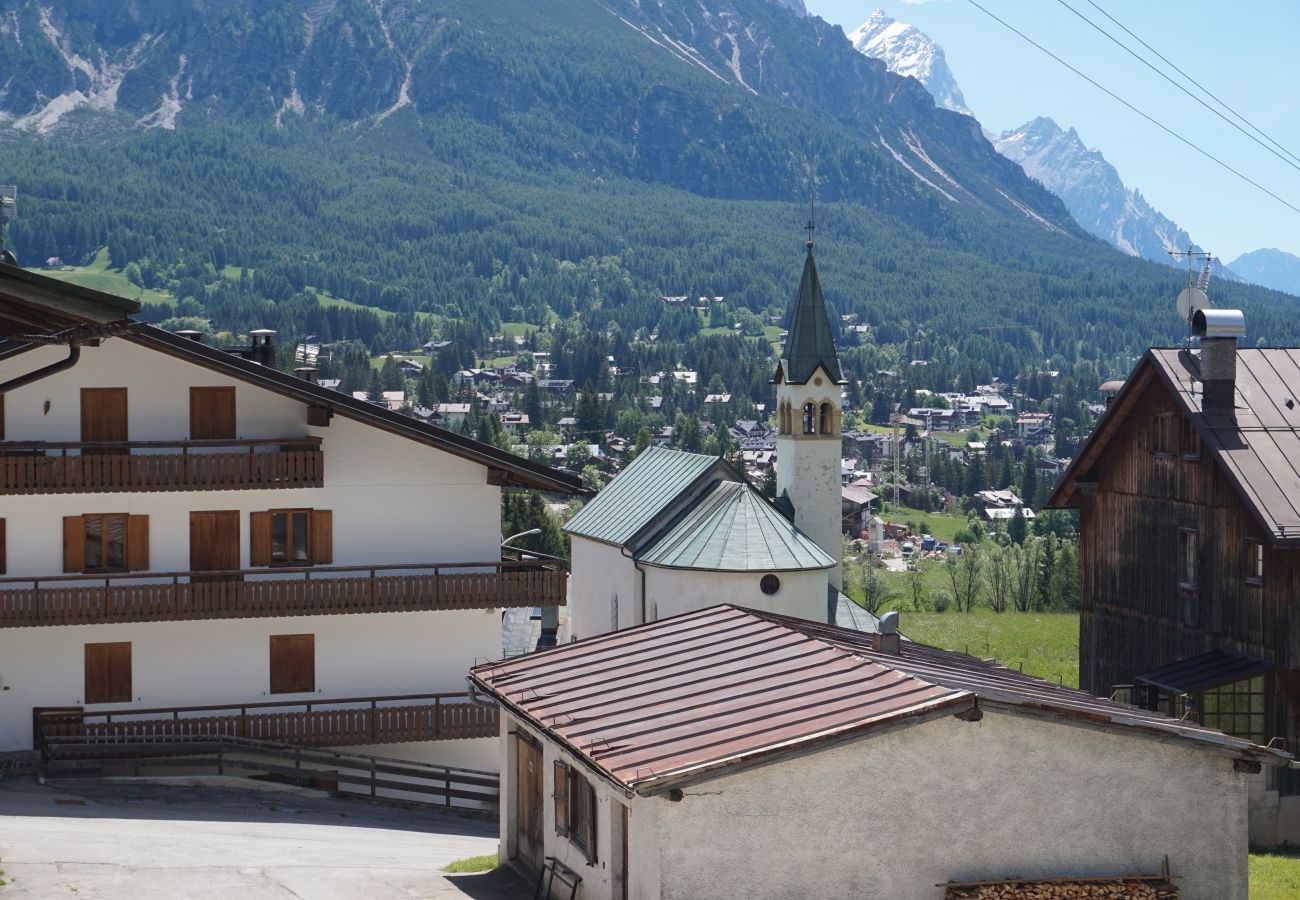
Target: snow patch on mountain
909,52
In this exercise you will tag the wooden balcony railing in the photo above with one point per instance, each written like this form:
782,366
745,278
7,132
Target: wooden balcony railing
90,467
257,593
341,722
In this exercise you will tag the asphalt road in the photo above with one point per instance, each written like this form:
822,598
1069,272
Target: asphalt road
129,840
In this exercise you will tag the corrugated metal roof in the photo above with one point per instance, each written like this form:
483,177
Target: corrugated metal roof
1257,445
674,699
731,528
1205,671
858,494
639,494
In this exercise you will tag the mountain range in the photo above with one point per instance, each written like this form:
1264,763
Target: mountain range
1091,188
517,161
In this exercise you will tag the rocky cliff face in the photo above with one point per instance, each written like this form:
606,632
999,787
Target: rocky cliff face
1091,189
910,52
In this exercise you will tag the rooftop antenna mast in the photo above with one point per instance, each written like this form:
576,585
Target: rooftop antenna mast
1193,296
8,212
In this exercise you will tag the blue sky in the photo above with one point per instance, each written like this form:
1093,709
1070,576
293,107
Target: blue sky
1246,53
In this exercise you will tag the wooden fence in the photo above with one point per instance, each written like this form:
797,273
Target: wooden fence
256,593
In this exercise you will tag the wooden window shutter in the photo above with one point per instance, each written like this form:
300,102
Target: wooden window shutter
108,673
561,795
137,543
293,663
321,533
4,568
589,819
74,544
259,547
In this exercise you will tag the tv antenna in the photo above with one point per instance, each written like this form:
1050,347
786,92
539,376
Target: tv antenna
8,212
1193,297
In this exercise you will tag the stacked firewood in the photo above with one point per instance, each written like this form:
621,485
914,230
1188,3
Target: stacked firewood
1065,890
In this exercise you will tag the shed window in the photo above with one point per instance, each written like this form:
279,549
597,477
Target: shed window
575,809
1188,540
1189,442
1238,709
1254,562
1162,434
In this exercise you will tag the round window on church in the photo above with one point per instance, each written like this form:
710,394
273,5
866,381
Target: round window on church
770,584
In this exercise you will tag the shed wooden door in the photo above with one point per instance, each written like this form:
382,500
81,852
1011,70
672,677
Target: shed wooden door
214,544
528,803
103,416
212,413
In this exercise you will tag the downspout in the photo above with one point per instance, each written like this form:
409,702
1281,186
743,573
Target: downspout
636,565
74,354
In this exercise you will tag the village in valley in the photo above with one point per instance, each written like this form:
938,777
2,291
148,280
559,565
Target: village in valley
577,505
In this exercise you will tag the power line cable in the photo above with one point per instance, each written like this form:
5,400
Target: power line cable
1147,63
1121,100
1200,86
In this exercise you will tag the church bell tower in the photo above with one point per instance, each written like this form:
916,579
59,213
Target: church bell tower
808,386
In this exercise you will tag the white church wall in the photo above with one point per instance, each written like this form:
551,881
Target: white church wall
670,592
602,580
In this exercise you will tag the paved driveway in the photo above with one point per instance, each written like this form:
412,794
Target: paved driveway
144,841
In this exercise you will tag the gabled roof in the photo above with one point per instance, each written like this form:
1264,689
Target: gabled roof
680,699
32,303
514,470
640,493
810,342
731,528
1256,446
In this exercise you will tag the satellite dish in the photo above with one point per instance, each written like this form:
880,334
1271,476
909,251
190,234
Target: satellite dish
1190,300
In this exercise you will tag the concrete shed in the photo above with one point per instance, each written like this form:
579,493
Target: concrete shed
732,752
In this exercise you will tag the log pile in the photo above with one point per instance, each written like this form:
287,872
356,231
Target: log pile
1115,889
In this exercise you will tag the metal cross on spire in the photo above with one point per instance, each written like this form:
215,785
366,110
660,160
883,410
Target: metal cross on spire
812,222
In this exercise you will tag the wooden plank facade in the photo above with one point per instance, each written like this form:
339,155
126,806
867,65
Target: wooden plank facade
1167,548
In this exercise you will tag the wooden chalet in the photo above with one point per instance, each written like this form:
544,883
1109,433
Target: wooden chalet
1189,500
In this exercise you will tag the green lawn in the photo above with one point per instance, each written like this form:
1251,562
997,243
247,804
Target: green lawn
484,863
517,329
1274,876
942,525
1041,644
98,276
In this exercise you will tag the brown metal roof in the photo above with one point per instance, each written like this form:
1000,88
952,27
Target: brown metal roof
671,700
1257,445
713,687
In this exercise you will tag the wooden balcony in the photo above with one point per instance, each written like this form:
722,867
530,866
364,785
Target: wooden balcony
255,593
341,722
219,465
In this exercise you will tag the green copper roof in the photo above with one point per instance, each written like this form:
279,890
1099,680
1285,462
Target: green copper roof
810,342
639,494
731,528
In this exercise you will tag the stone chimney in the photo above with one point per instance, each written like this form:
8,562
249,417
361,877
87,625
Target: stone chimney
308,373
263,346
1218,330
887,638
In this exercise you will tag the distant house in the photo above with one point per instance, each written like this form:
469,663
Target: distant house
514,422
729,752
1003,514
1034,427
390,400
856,508
982,500
411,367
435,346
452,414
555,385
711,399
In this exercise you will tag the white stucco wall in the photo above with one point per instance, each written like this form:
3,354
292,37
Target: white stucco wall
393,500
808,468
598,882
599,575
228,661
674,591
892,816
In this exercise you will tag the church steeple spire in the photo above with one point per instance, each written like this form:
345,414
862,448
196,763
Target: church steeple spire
809,342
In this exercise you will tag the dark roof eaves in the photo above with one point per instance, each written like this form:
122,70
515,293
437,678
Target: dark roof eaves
127,306
532,474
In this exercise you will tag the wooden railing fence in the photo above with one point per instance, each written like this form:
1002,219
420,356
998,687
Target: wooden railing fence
50,468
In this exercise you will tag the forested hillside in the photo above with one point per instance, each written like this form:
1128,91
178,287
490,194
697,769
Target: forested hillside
522,161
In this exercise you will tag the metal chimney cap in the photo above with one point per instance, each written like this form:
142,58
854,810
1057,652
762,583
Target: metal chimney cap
889,622
270,331
1219,323
190,334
